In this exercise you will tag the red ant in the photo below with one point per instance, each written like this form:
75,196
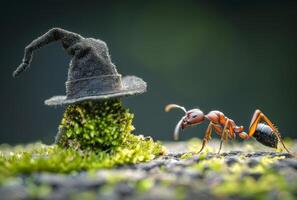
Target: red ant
227,128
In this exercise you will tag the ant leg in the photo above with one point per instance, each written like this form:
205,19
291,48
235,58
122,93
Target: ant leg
254,122
278,135
223,136
221,143
231,127
258,115
207,136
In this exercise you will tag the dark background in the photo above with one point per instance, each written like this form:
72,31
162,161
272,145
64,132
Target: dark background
233,56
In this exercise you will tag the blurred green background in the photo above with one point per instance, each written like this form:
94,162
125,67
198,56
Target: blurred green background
232,56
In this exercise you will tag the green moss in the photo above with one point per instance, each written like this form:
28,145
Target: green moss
240,180
42,158
92,135
237,183
180,192
144,185
214,164
38,191
261,189
90,195
186,156
95,126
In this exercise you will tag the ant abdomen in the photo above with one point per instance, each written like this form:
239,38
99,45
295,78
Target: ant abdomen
264,135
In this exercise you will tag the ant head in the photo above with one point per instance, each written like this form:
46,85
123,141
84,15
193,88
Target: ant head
193,117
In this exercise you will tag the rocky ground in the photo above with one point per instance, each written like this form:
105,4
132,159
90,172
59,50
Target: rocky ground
241,171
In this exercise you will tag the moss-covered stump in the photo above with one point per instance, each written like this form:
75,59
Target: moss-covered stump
95,126
92,135
103,129
241,171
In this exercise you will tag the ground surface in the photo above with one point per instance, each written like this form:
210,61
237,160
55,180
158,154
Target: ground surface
241,171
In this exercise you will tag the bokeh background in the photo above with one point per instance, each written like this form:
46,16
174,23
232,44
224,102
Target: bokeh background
233,56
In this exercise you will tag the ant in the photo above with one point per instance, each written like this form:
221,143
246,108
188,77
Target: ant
225,127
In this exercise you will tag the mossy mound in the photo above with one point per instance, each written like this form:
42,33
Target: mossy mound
43,158
95,126
92,135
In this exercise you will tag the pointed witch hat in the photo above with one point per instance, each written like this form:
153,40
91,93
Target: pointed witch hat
91,74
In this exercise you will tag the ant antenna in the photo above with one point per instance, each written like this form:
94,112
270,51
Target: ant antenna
177,128
179,123
171,106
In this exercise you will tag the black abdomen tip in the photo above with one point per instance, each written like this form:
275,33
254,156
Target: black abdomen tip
265,136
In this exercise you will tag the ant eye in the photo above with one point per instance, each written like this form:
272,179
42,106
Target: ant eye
194,116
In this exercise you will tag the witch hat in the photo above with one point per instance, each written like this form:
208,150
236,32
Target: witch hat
91,74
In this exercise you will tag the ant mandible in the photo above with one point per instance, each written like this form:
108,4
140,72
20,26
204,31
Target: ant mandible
227,128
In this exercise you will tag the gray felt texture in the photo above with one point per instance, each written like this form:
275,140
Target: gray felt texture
91,74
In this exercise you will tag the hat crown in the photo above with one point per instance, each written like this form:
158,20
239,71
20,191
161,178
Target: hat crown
91,71
90,58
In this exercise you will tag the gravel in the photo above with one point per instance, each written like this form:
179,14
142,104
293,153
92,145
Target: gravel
166,177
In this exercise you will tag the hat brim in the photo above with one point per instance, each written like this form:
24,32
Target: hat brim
132,85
